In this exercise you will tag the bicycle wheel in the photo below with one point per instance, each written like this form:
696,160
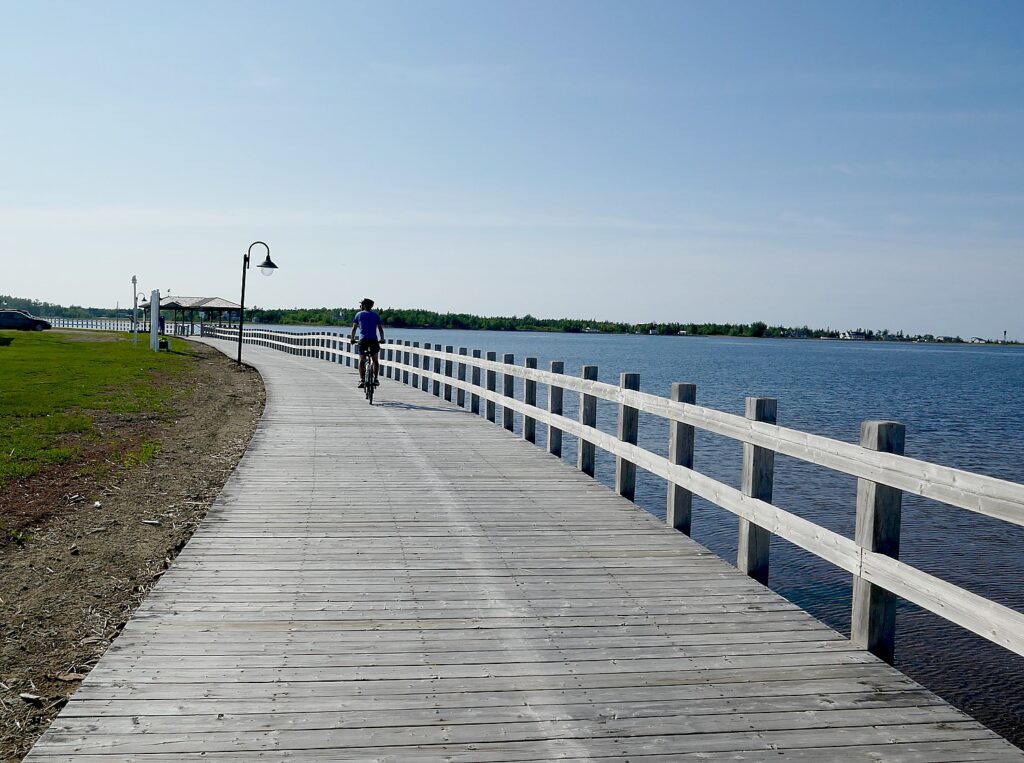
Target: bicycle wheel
368,381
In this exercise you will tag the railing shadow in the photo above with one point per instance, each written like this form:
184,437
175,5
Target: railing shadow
400,406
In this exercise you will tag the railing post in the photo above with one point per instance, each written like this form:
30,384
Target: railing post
508,384
474,399
448,370
405,362
530,398
425,365
460,393
629,426
879,510
437,371
588,418
679,507
415,365
492,385
555,408
757,482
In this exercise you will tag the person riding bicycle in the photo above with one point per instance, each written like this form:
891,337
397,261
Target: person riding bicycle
368,324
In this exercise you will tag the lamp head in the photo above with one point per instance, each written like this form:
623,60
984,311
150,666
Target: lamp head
267,267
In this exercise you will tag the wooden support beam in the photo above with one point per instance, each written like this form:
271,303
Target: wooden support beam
555,395
679,506
588,418
474,399
509,390
530,398
460,393
437,372
492,386
757,481
879,513
629,427
448,371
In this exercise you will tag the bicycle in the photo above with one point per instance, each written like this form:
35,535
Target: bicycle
368,381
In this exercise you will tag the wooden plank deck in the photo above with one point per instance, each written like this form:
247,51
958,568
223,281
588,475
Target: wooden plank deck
406,582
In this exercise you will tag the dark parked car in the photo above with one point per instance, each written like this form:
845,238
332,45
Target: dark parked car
19,319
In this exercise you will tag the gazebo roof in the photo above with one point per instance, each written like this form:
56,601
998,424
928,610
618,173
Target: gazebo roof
209,304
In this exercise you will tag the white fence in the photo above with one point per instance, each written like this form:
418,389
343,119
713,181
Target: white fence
96,324
883,472
175,328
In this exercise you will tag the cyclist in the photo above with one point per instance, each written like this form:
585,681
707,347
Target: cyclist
368,324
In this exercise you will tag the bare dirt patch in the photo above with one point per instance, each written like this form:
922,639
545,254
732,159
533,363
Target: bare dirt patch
72,572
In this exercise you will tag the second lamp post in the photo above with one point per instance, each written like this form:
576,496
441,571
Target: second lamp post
267,268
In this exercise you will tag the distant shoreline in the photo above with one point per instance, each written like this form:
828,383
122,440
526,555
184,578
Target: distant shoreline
398,318
937,341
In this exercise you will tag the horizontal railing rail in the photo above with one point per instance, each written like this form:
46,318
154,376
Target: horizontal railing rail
883,473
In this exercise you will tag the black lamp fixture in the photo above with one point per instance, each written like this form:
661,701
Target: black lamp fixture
267,268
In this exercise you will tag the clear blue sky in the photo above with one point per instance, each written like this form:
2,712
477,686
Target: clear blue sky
833,164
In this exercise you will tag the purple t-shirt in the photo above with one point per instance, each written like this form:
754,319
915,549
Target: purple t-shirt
367,322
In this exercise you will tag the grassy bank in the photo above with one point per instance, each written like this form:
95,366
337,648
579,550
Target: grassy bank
55,386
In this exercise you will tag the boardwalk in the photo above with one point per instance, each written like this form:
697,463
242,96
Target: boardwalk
409,583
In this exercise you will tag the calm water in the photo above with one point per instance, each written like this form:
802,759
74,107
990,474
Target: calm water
963,406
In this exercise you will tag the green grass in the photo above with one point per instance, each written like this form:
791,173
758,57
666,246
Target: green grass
53,385
149,450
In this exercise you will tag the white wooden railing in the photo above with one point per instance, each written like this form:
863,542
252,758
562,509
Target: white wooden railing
883,473
95,324
175,328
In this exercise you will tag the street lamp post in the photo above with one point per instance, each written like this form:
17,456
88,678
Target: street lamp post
267,268
140,295
135,312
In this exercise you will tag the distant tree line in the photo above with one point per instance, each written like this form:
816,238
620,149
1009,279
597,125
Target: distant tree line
428,319
51,310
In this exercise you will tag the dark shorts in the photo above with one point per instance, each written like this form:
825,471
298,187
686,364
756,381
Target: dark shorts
369,346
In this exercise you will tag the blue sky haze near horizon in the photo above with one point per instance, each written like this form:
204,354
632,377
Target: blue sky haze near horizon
822,163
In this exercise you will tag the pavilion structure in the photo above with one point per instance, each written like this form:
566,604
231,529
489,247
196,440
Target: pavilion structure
216,310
